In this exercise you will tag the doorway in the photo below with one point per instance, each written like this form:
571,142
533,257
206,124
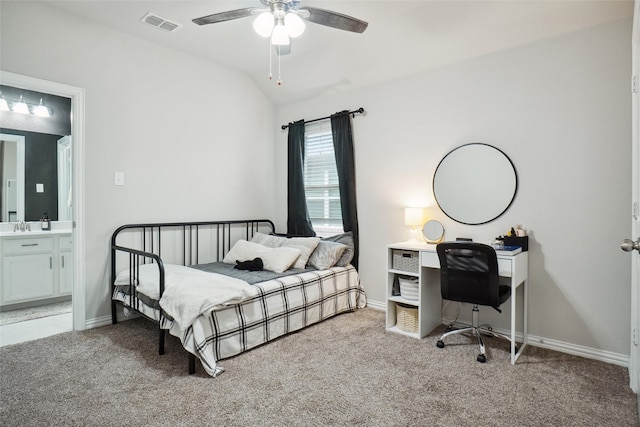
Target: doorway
76,173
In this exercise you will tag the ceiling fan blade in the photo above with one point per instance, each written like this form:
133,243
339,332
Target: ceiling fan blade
335,20
224,16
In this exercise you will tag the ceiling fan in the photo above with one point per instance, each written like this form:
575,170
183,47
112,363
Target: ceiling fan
283,19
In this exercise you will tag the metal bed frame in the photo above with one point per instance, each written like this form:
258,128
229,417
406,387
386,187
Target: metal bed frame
148,249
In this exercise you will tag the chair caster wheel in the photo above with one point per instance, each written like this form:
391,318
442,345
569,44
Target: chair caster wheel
482,358
440,344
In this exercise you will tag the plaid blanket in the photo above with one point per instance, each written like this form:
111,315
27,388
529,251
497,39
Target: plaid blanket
283,305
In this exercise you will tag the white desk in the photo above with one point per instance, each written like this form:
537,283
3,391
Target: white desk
429,303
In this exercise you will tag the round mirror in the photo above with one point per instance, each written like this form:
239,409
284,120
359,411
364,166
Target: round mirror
433,231
475,183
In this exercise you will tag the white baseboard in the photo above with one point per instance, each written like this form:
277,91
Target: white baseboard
561,346
106,320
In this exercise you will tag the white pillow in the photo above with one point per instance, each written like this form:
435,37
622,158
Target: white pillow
277,260
306,245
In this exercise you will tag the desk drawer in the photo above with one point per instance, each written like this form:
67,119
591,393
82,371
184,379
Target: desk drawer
430,260
27,245
504,267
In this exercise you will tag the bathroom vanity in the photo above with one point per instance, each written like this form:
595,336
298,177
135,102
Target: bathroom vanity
35,266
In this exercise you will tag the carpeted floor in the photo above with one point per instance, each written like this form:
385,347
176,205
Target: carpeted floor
23,314
345,371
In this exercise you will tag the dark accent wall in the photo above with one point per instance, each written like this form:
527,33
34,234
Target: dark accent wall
41,167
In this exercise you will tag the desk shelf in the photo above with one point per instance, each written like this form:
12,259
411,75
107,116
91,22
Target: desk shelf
428,304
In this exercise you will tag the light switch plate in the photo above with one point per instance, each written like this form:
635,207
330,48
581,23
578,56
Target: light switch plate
118,178
39,188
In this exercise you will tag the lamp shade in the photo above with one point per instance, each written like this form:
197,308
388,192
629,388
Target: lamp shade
21,107
41,110
263,24
294,25
280,36
413,216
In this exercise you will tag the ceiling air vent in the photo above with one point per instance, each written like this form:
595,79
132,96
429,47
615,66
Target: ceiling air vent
158,22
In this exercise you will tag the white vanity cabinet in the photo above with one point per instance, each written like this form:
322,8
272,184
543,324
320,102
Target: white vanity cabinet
35,267
65,262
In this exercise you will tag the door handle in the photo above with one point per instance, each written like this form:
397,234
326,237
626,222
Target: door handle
628,245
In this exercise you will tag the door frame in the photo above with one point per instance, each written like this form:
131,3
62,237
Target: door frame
77,131
634,357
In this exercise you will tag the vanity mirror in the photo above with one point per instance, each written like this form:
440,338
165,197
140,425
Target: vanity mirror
475,183
35,158
433,231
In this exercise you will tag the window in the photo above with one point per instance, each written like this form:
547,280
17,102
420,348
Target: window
321,179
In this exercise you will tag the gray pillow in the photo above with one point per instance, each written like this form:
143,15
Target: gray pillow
345,239
326,255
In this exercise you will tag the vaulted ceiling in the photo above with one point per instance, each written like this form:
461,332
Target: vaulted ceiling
403,37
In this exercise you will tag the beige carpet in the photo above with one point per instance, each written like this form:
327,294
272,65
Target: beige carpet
346,371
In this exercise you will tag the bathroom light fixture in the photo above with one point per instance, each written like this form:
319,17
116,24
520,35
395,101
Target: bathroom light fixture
21,106
41,110
4,105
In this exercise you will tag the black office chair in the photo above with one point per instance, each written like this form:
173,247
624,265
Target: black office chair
469,273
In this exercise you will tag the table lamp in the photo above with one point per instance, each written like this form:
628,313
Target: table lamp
413,217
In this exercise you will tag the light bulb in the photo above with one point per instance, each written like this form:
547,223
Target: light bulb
295,24
41,110
4,105
21,107
263,24
280,36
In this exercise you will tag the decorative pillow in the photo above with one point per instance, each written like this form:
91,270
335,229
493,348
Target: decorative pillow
268,240
306,245
277,260
326,255
345,239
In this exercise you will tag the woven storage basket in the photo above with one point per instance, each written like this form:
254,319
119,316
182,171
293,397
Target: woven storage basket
408,288
406,317
405,260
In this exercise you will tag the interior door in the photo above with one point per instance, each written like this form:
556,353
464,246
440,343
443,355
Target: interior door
634,360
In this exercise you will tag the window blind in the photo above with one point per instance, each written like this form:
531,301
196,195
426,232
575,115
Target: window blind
321,178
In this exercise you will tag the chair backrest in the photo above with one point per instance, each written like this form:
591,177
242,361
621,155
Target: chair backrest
469,273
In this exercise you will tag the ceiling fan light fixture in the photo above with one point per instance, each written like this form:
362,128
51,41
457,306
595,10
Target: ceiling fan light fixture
263,24
294,24
21,106
280,36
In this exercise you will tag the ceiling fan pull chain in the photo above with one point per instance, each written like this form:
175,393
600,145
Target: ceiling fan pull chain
279,74
270,56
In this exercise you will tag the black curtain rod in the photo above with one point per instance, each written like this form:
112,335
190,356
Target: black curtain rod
353,114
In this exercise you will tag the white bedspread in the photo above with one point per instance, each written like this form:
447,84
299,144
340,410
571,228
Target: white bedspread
189,292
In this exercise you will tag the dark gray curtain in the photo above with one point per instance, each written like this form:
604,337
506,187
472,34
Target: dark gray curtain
298,222
345,163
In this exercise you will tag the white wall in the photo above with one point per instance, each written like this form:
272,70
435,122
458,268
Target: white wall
182,130
561,110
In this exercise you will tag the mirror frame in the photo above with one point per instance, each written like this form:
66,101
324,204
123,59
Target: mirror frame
20,156
467,175
433,231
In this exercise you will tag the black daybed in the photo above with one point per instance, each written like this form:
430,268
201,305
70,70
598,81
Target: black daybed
182,276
